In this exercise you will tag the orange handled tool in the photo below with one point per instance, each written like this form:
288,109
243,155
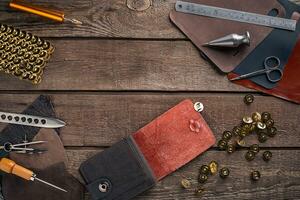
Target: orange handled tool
11,167
50,14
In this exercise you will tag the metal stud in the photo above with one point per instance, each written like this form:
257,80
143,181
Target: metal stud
199,107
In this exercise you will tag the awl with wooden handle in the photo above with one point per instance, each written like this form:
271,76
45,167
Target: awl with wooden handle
43,12
11,167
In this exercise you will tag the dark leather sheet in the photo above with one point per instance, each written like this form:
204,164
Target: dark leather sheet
279,43
202,29
289,87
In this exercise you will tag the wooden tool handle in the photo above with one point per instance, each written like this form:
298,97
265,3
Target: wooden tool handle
50,14
11,167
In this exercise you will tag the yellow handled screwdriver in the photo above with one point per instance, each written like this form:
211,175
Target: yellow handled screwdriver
11,167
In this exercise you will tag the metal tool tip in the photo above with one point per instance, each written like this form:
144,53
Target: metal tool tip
73,21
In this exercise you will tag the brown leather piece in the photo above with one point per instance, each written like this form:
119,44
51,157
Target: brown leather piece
202,29
49,166
55,151
289,86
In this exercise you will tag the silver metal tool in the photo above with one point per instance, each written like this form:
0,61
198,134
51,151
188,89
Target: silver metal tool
22,147
271,68
30,120
231,41
236,15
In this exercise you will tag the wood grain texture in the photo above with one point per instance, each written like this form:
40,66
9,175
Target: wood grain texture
101,119
101,18
280,177
126,65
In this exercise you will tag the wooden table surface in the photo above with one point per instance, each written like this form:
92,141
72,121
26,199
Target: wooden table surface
126,65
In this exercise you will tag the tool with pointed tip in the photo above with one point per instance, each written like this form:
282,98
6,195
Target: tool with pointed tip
11,167
231,41
30,120
21,148
47,13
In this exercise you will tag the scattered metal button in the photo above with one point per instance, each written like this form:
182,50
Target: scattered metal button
250,155
247,120
224,172
255,175
261,126
256,117
230,148
202,178
248,99
267,155
199,107
254,148
222,144
262,137
204,169
213,166
227,135
265,116
199,191
185,183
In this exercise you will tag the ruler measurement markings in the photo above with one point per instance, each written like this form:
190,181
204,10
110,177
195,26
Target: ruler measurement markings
236,15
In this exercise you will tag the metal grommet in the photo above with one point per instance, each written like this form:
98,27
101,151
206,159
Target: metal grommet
103,187
199,107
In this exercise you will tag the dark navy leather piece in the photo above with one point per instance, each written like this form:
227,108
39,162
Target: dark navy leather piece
279,43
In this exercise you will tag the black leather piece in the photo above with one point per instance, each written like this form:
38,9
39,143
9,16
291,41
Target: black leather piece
279,43
42,106
125,169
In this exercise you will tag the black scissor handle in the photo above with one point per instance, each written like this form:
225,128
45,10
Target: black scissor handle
275,64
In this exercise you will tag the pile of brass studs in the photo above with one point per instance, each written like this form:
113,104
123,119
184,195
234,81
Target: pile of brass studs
22,54
260,124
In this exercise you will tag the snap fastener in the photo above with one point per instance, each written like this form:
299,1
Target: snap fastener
103,187
199,107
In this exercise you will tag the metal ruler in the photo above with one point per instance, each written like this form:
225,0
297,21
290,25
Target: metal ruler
236,15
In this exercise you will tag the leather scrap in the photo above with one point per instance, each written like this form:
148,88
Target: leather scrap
49,166
200,29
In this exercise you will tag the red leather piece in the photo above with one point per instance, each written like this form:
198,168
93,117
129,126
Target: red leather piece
174,139
289,86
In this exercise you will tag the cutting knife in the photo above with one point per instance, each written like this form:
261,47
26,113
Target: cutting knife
30,120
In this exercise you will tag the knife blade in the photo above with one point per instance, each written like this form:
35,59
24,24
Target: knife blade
31,120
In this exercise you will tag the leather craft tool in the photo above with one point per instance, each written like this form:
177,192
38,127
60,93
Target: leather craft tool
235,15
279,43
51,165
43,12
11,167
20,148
201,29
30,120
271,70
231,41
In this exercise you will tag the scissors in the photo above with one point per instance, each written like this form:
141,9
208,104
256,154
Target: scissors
271,68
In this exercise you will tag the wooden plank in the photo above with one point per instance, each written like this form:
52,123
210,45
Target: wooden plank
101,18
280,177
101,119
126,65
